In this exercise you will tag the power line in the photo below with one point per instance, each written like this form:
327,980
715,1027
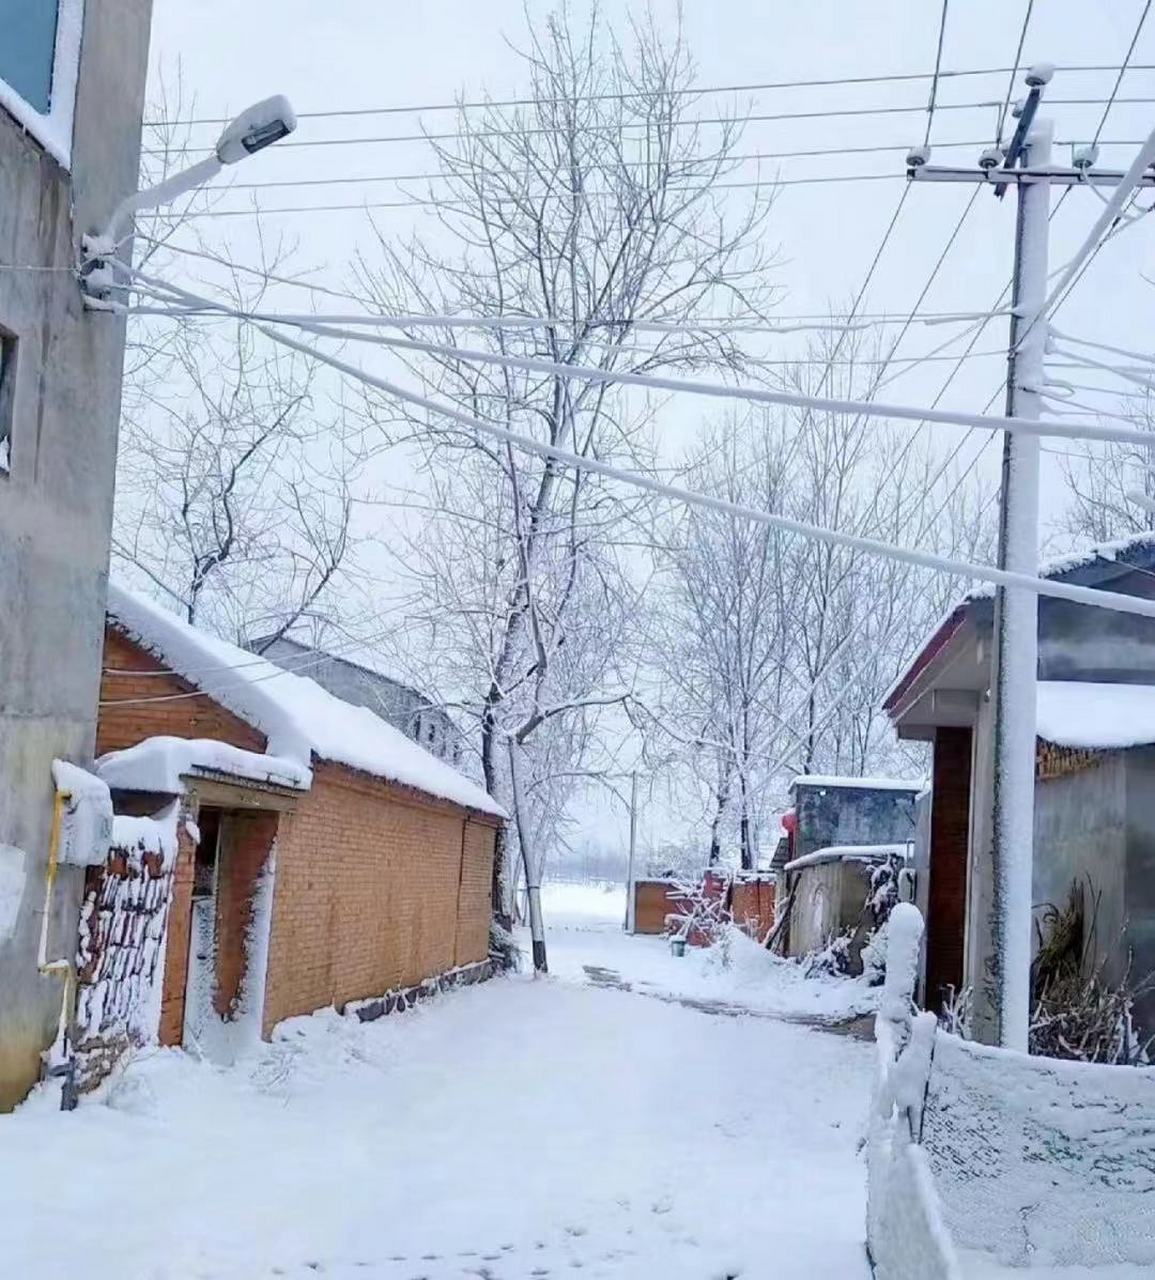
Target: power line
986,573
935,77
458,204
751,157
731,324
490,104
1014,73
1122,69
696,122
650,381
835,113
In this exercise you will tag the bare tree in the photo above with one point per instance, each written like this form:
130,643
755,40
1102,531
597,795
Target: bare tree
1100,478
594,206
775,651
233,493
233,486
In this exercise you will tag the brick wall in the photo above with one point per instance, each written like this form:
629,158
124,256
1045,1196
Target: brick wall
752,905
376,889
949,838
198,717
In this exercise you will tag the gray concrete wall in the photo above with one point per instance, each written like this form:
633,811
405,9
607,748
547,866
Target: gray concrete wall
1081,822
56,502
1140,877
1079,642
851,815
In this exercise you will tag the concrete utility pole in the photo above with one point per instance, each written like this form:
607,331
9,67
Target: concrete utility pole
1007,996
1000,960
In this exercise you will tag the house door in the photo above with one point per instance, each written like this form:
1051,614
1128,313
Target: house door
230,908
200,973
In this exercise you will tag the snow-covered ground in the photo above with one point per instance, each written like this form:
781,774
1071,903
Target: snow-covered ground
584,923
518,1129
523,1128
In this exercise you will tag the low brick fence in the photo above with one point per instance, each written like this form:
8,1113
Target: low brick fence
407,997
121,950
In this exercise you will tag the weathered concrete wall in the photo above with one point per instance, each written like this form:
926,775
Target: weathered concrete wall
1140,876
851,815
829,898
1081,837
1079,642
56,501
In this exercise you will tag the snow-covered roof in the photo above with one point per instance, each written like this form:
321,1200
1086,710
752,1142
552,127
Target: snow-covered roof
861,784
1058,566
1082,713
299,719
848,853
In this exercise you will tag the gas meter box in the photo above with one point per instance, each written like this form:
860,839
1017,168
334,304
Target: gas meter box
86,821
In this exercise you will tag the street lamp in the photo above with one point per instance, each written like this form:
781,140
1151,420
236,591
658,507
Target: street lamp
256,128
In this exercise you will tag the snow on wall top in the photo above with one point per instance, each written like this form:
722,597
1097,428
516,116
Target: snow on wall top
848,853
298,717
862,784
1082,713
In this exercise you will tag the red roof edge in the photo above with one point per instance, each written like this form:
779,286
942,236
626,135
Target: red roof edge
918,664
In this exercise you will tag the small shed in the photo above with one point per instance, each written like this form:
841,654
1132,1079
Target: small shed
828,890
323,858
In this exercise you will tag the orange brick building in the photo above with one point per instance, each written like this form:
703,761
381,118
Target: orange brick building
323,858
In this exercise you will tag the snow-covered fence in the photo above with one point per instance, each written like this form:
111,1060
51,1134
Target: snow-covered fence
1040,1160
1034,1160
121,951
905,1228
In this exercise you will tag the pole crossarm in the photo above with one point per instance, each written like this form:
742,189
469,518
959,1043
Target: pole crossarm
1054,175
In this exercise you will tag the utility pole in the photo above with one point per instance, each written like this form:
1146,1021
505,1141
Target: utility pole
1000,961
631,892
1007,997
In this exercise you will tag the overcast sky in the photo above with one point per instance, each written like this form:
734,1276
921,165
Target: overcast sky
351,54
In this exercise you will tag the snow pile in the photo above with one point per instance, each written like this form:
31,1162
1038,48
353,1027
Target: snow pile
570,904
905,1228
86,824
1117,550
1078,713
160,764
1041,1161
298,717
